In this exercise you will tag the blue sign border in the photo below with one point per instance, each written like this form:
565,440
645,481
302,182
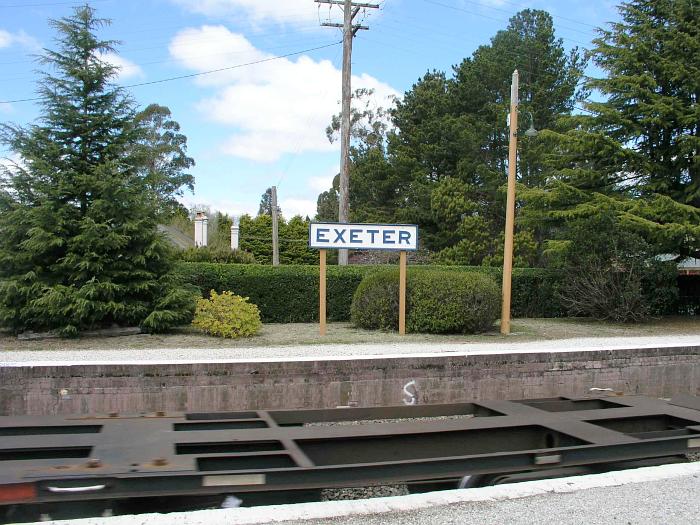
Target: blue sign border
363,249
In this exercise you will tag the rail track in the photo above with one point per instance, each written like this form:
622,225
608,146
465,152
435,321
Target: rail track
66,467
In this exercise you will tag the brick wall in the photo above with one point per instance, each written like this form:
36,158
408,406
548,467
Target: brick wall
84,389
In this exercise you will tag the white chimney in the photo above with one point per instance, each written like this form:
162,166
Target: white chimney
200,229
235,228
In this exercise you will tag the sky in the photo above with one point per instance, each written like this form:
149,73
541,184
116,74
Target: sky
262,121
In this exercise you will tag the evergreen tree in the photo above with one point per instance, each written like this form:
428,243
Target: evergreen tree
652,95
266,204
79,248
161,153
448,159
327,203
637,153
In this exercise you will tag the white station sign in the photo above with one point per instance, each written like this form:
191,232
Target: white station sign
334,236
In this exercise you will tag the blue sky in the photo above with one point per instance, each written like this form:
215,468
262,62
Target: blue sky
264,124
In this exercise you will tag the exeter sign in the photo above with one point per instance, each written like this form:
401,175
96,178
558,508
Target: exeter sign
334,236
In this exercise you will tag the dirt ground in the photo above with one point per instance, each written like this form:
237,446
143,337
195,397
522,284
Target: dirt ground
345,333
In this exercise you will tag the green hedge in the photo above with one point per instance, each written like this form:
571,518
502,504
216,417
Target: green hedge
289,294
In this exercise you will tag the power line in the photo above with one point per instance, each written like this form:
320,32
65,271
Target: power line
455,8
201,73
49,4
527,7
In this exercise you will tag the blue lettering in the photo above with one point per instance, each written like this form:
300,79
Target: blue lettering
385,236
321,235
355,236
372,233
404,236
339,234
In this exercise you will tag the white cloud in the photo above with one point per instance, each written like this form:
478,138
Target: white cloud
231,207
127,68
21,38
5,39
294,12
303,207
276,107
321,184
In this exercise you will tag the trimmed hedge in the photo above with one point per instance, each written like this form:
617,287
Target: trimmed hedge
437,301
289,294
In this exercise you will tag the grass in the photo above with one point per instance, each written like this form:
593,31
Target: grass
345,333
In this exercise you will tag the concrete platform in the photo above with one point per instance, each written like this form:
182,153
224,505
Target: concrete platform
652,495
662,367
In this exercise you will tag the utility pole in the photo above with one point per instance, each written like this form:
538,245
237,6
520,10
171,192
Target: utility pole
350,10
275,229
510,206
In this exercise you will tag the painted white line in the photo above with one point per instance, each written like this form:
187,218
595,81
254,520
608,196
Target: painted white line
334,509
526,348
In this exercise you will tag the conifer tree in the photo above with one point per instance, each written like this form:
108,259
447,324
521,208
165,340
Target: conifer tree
79,248
652,90
637,152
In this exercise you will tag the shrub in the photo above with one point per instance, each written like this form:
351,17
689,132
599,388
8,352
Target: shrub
375,304
437,301
449,302
612,273
227,315
216,255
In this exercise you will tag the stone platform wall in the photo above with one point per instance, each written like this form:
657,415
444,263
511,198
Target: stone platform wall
133,388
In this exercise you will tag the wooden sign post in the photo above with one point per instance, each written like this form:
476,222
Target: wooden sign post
322,292
402,293
394,237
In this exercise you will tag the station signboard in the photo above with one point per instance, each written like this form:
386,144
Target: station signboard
335,236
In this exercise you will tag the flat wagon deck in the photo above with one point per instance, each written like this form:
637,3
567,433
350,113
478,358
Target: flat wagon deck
55,462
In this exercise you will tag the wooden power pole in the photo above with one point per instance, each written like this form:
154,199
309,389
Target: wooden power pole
510,206
275,229
350,11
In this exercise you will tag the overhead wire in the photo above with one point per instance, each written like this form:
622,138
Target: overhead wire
49,4
482,15
200,73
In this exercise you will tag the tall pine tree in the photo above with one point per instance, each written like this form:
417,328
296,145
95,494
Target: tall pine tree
79,248
637,153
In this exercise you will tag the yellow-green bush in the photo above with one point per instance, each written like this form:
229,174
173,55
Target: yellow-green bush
227,315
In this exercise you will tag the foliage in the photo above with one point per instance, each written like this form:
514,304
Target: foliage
652,57
450,302
266,204
437,301
327,203
375,303
368,121
256,238
290,293
219,231
637,154
161,154
443,165
215,255
79,247
227,315
606,268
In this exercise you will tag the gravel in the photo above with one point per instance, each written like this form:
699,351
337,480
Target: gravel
667,501
376,491
82,356
394,420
